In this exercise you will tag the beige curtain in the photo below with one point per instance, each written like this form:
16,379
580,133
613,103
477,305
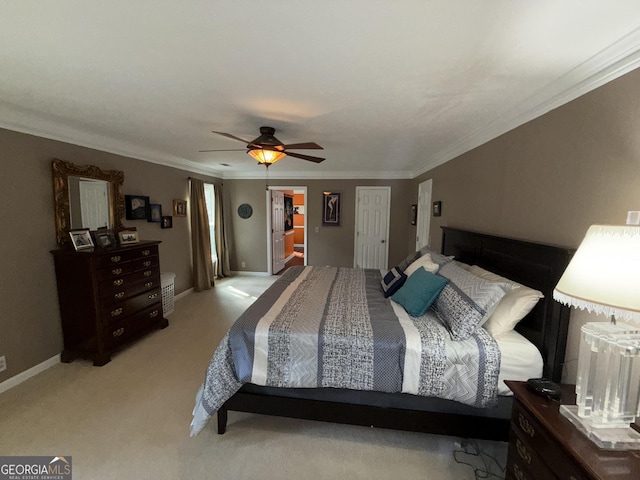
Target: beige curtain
222,266
200,238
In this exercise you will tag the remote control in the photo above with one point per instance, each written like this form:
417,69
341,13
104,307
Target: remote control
545,387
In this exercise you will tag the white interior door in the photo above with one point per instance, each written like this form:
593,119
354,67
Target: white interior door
94,204
424,214
277,231
372,227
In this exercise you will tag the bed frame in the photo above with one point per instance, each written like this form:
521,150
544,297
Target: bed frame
536,265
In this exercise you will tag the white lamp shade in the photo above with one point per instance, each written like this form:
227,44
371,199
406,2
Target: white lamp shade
604,274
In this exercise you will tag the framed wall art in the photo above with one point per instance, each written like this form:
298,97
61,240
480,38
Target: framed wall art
179,208
437,209
288,213
155,213
414,214
136,207
331,209
167,222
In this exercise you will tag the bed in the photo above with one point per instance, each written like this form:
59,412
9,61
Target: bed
468,401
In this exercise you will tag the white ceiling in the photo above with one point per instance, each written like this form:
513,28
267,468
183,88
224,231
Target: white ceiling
388,88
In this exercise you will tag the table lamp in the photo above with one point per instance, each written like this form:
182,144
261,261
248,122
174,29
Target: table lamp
603,277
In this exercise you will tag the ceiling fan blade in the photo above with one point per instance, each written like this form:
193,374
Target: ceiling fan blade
305,157
303,146
232,150
228,135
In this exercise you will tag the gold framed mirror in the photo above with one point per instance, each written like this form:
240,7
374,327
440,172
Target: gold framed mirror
86,197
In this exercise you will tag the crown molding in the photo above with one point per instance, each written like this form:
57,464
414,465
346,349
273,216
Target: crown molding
611,63
297,175
32,124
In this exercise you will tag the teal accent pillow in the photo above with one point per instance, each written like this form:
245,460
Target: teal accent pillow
419,291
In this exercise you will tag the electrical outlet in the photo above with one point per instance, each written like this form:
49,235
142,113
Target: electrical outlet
244,265
3,363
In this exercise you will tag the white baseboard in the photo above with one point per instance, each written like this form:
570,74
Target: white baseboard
183,294
27,374
262,274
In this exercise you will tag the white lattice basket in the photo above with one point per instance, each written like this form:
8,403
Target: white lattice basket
167,284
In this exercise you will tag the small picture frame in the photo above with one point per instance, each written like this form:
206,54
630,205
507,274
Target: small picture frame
104,238
331,209
136,207
437,208
127,237
179,208
155,213
167,222
81,239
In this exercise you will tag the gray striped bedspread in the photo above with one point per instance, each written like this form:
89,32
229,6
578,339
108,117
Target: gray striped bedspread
332,327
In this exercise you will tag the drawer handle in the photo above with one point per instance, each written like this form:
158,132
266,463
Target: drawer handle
152,296
116,271
146,263
526,426
116,259
147,273
118,332
153,314
118,282
116,312
146,253
118,295
518,473
148,284
523,452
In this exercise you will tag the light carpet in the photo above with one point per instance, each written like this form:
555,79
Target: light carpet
130,419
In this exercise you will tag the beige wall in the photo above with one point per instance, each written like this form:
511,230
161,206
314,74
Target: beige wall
330,245
29,319
552,178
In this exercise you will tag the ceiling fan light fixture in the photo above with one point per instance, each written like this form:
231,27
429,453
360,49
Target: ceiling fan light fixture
266,156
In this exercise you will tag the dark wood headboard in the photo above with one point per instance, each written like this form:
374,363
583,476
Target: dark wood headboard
532,264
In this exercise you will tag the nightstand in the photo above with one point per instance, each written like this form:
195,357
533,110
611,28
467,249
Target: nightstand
543,444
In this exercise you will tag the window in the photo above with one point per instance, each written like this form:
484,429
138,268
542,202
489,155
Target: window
210,200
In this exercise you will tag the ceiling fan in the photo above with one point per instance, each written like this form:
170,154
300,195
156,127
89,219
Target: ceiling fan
267,149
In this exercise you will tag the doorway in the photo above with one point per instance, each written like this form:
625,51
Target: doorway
293,249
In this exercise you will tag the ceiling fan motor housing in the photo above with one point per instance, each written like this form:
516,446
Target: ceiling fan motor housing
267,140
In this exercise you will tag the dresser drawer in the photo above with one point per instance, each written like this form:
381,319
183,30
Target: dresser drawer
532,435
145,263
115,258
120,310
123,331
523,461
144,252
114,271
119,289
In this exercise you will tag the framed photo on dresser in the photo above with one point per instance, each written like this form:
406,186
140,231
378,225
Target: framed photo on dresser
81,239
127,237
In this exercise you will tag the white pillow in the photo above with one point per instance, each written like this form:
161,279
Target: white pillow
425,262
513,307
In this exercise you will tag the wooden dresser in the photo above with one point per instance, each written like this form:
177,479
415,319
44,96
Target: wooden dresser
545,445
107,297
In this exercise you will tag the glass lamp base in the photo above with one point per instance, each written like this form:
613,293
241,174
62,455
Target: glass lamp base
622,438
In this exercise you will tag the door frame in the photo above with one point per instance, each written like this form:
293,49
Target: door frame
355,239
268,213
